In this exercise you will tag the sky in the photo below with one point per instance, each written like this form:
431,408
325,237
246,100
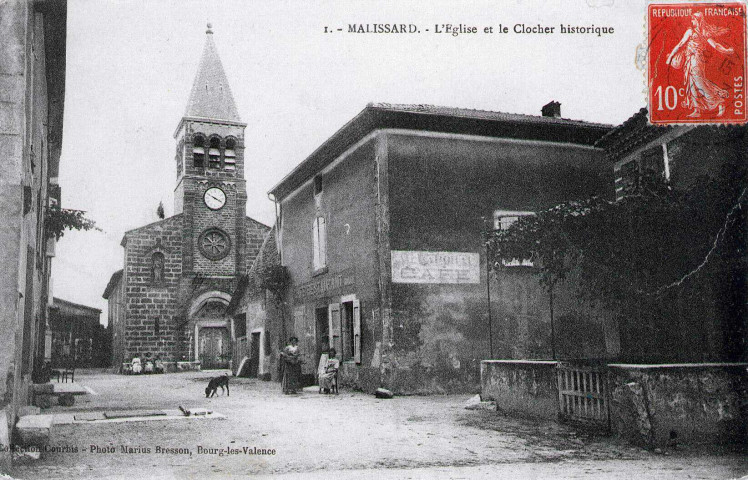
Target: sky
130,67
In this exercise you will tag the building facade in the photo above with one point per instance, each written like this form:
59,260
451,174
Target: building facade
381,231
32,96
179,273
78,338
706,317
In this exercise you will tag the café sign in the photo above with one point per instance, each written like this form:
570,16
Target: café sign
435,267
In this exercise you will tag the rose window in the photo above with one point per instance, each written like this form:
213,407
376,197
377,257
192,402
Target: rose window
214,243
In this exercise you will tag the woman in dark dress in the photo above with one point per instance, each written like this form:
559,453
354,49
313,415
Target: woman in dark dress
291,366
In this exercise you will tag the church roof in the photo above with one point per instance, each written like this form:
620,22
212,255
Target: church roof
211,95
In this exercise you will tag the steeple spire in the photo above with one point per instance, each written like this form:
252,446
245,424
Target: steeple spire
211,95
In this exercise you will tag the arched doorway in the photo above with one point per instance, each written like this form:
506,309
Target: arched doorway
212,332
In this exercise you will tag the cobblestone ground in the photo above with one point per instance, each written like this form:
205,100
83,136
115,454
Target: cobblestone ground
345,435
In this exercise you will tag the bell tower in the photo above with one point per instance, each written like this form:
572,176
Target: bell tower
211,192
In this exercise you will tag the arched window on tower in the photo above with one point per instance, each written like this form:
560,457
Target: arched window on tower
157,269
198,151
214,153
229,160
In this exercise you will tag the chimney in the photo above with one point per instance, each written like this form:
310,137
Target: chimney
552,109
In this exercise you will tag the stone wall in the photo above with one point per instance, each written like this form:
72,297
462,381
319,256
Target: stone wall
148,302
348,204
696,402
650,405
523,387
441,188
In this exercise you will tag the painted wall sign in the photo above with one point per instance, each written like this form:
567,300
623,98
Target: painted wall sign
326,285
435,267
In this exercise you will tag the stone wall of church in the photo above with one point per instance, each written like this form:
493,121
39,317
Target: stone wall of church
151,300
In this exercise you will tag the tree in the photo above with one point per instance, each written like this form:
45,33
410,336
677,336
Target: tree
57,220
635,250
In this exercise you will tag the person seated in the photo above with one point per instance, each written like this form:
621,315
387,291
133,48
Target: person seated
158,365
148,366
328,371
136,367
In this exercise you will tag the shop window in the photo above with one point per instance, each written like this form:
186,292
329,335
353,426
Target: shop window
319,243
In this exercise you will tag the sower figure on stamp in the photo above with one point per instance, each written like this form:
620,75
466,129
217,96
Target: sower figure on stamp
291,366
702,94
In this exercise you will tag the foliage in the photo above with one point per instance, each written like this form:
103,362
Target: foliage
273,277
638,248
57,220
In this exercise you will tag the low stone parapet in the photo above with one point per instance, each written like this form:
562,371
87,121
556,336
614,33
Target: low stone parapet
660,405
525,387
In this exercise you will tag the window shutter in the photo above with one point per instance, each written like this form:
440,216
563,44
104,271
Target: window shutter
333,315
322,242
315,243
357,331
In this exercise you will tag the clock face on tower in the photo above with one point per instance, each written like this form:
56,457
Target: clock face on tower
214,198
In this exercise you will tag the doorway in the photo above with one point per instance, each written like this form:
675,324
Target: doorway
214,347
323,331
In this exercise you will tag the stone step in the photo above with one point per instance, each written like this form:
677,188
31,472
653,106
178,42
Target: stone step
34,429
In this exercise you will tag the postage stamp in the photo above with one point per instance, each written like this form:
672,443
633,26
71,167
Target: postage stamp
697,63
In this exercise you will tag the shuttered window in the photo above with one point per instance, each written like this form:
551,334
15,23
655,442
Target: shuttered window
333,316
319,243
357,331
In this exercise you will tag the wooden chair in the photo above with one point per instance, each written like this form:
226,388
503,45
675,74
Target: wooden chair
69,370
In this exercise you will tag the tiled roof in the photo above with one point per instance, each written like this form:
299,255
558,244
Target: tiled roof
211,95
443,120
481,114
116,277
74,308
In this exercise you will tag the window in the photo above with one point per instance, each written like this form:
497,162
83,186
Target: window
229,155
157,268
345,329
317,184
214,153
157,326
502,220
653,160
319,243
626,178
198,152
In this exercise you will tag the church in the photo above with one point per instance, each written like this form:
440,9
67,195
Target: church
169,300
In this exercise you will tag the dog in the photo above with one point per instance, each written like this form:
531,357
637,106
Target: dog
212,388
